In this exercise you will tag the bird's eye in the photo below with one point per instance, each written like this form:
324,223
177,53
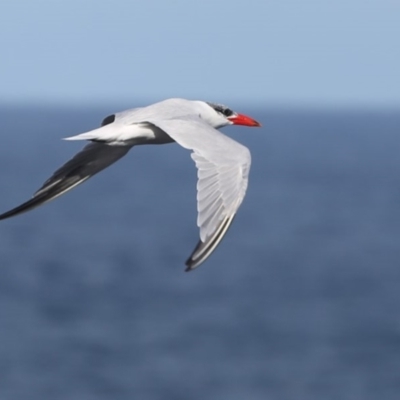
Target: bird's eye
227,112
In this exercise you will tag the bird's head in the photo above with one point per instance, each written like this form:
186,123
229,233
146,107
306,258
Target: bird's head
222,116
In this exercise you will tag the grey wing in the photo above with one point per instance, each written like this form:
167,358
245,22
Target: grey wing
93,158
220,191
223,168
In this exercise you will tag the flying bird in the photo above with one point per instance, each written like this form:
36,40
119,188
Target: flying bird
223,164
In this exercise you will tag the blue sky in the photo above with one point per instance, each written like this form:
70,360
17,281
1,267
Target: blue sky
282,52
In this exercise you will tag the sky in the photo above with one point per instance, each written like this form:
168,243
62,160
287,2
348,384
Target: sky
280,52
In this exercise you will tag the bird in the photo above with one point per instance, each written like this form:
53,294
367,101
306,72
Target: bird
222,163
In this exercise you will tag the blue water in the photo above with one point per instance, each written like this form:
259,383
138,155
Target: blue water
300,301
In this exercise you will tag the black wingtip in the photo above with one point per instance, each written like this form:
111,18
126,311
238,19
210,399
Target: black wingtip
192,262
204,249
188,266
24,207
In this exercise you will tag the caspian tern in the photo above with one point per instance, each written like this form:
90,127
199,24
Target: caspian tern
223,164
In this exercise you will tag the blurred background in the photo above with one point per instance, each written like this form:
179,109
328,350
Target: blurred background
300,301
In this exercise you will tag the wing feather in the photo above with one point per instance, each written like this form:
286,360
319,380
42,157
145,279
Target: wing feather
223,167
93,158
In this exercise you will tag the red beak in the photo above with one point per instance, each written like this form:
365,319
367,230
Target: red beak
241,119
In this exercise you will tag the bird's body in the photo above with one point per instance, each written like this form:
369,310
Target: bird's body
223,164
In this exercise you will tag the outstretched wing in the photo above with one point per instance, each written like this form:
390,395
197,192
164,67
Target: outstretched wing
223,168
93,158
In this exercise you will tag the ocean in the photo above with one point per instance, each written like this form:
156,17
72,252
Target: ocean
300,301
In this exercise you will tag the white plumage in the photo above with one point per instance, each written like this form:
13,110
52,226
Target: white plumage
223,164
